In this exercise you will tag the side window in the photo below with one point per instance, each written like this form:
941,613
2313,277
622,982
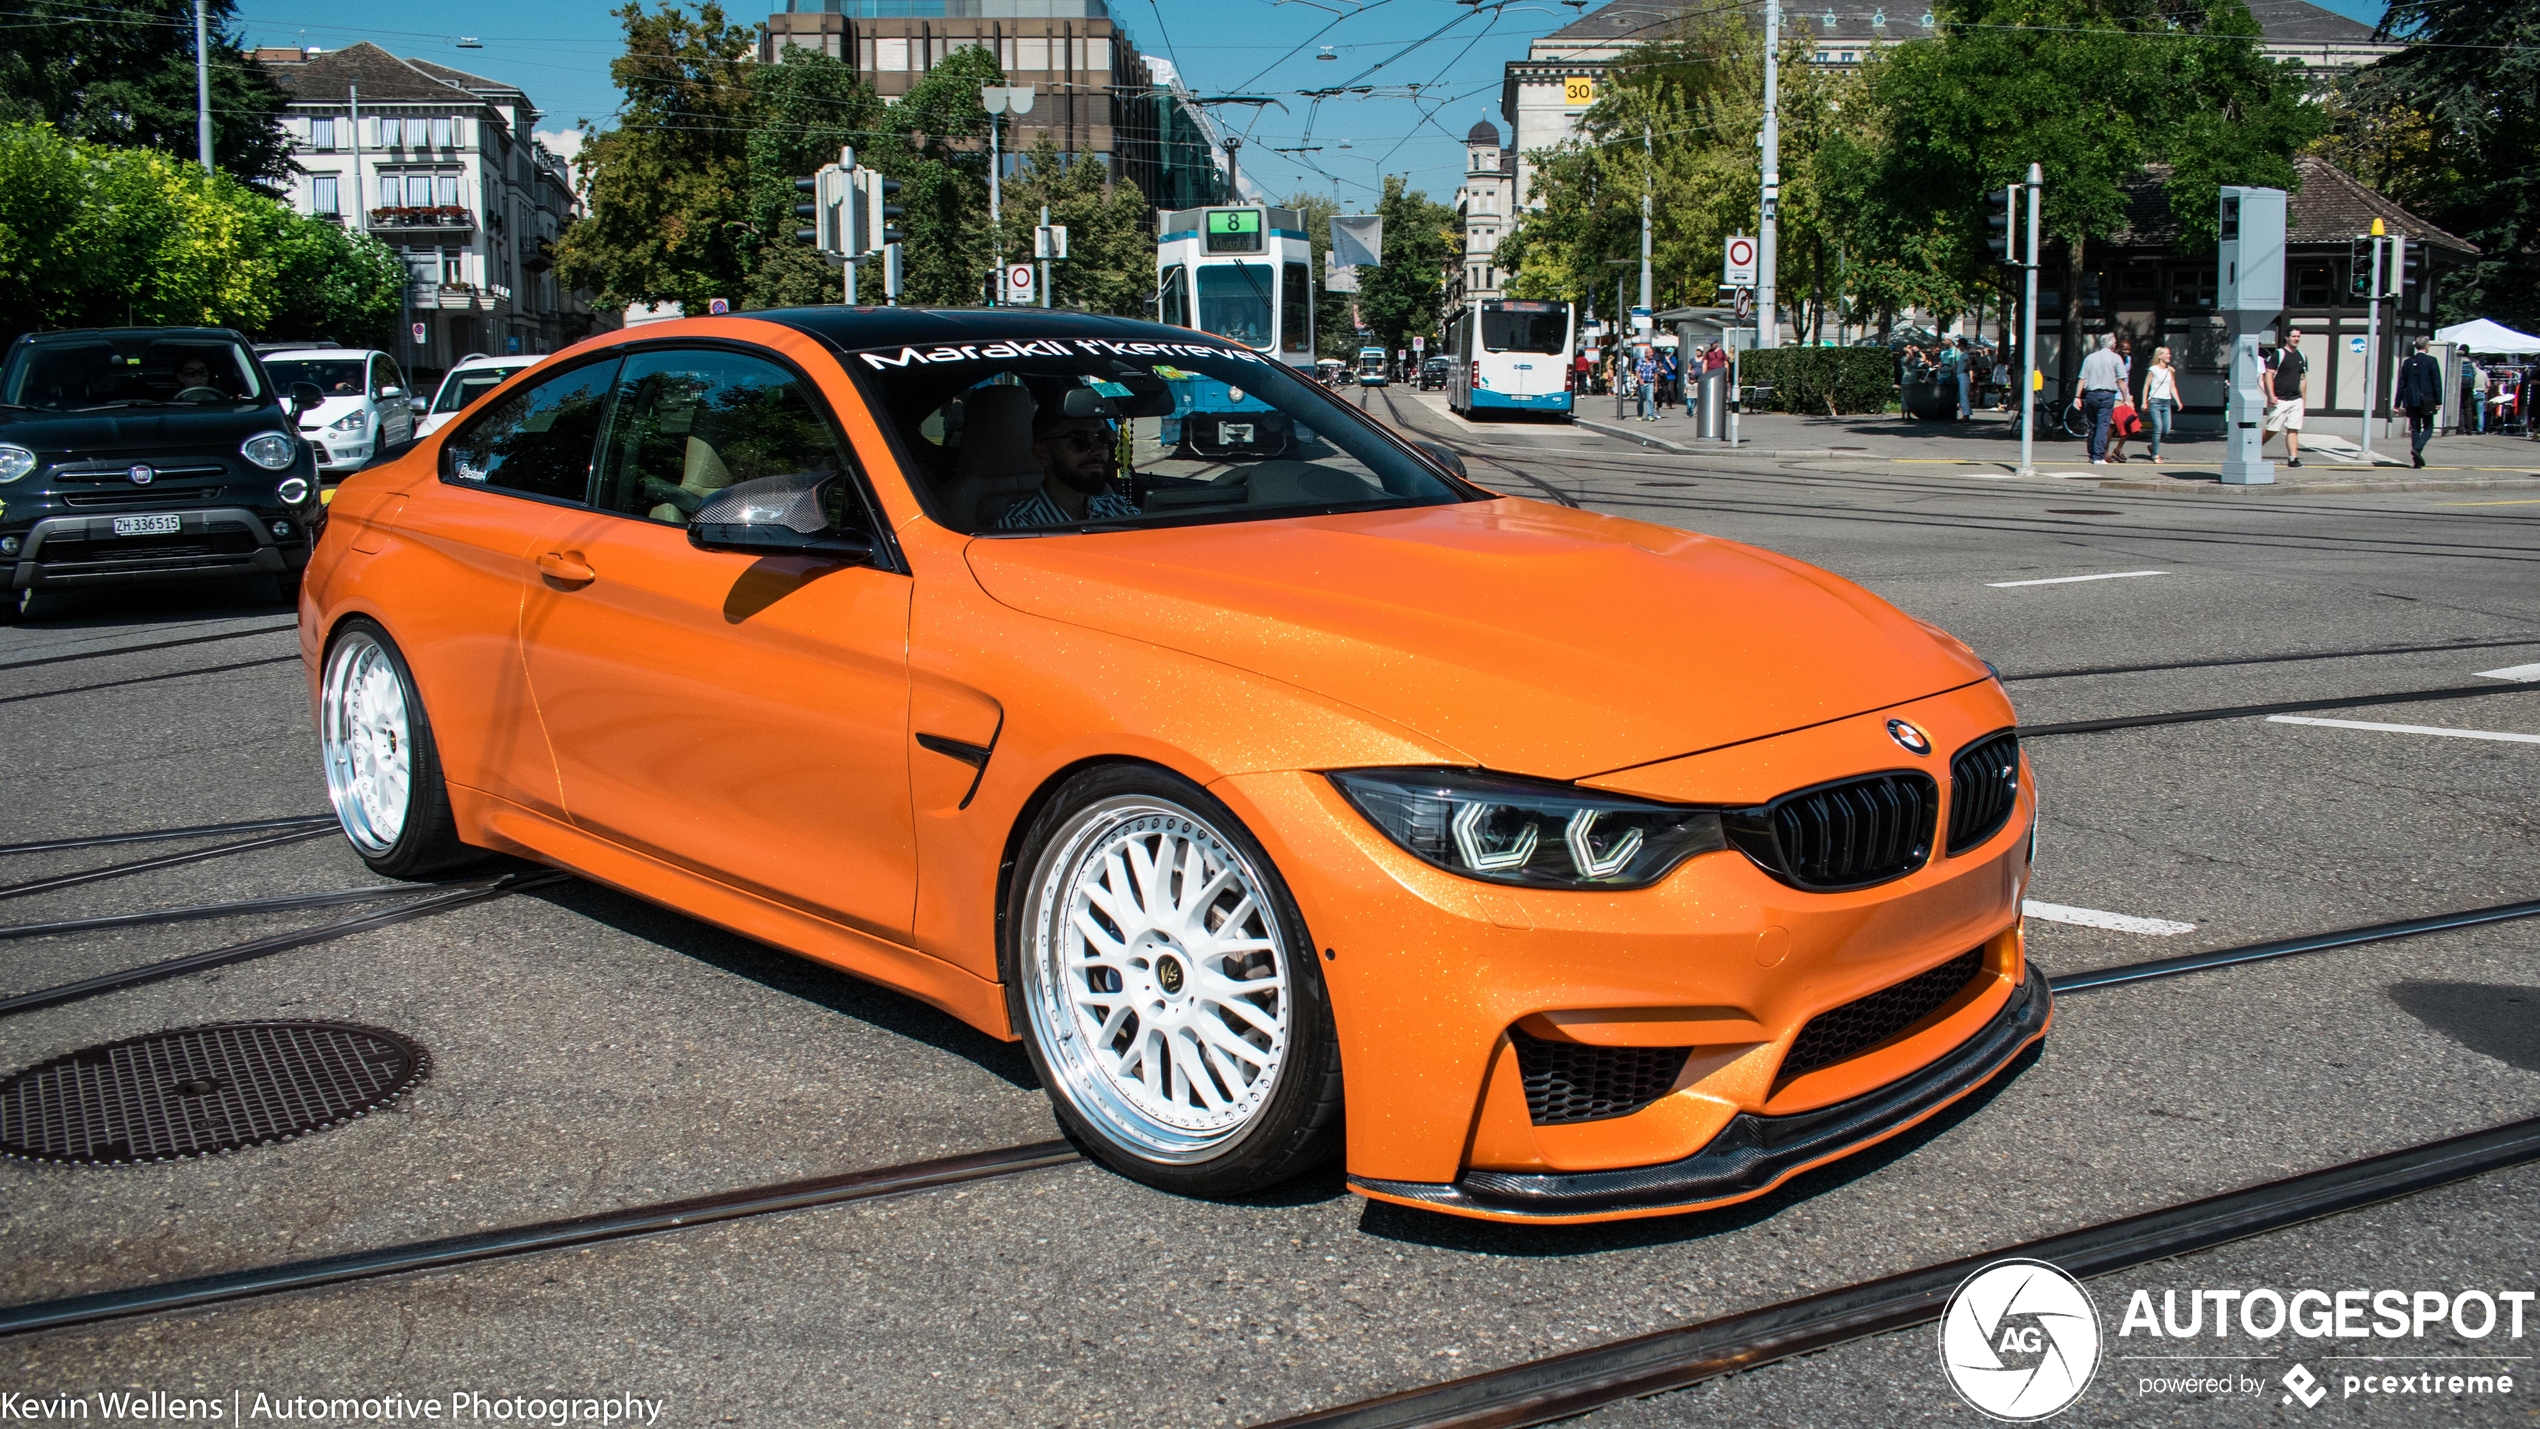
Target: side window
538,441
688,424
1296,309
1173,300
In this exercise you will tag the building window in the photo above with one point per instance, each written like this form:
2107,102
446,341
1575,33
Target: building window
322,195
1035,52
1847,56
440,133
322,134
445,190
1098,56
2314,285
418,133
891,54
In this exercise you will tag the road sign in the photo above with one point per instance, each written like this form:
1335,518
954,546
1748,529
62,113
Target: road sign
1737,262
1049,241
1018,284
1578,91
418,334
1745,303
717,307
1419,344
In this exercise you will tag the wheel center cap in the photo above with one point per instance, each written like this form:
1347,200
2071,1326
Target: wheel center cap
1168,974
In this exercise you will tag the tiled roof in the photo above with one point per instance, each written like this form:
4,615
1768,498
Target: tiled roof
2329,207
384,79
477,84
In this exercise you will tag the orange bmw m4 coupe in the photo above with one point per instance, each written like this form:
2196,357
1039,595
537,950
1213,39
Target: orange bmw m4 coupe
1116,689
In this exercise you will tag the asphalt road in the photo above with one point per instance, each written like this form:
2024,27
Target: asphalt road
592,1052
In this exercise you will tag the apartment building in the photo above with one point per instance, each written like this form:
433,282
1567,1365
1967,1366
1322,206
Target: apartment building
1486,200
1544,95
442,166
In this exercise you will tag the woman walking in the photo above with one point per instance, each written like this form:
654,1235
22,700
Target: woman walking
2160,398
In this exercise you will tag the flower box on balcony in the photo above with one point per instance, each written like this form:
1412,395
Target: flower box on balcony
435,216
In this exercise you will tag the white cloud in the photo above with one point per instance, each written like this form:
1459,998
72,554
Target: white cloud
563,143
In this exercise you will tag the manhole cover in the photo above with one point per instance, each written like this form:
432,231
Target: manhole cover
194,1091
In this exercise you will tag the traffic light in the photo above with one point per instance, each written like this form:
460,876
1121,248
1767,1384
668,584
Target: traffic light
2359,268
2000,206
809,212
876,212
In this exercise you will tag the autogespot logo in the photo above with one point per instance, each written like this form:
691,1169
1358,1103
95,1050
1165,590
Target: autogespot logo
2020,1340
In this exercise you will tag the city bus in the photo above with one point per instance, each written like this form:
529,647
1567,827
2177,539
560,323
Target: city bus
1511,355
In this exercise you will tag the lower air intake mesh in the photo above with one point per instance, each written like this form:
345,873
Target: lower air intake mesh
1569,1081
1847,1031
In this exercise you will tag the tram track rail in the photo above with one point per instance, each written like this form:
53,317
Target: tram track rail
2290,658
442,1253
440,900
1559,1386
274,838
194,912
143,836
144,649
2333,702
291,659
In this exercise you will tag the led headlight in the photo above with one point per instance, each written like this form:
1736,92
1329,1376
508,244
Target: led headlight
15,462
1526,831
273,451
349,422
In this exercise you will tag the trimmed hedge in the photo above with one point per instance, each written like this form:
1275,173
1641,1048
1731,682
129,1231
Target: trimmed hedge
1805,379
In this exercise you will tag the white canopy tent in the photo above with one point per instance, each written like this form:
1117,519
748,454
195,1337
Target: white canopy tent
2483,336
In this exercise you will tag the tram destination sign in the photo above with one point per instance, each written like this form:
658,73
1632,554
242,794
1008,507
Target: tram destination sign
1234,230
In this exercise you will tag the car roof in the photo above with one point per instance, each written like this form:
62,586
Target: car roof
518,359
300,352
916,327
77,333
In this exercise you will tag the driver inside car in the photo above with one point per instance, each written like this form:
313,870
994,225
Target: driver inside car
193,372
1075,454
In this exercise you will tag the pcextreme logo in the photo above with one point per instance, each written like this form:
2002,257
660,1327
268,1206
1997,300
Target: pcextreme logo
2019,1340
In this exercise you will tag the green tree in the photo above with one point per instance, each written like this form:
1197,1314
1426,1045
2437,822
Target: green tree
1334,334
121,73
2094,91
1110,263
669,186
1404,295
942,164
803,110
2443,116
91,235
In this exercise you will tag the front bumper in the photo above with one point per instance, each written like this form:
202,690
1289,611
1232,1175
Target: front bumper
1750,1156
209,542
1547,402
342,457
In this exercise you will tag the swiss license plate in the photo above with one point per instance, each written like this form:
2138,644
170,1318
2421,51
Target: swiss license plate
1235,433
146,526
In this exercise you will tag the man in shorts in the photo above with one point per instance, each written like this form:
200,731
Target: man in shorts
2288,383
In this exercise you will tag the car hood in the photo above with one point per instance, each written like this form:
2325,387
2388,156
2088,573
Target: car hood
215,429
332,409
1532,639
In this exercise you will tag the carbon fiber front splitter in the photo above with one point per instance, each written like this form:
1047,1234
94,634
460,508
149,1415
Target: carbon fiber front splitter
1752,1154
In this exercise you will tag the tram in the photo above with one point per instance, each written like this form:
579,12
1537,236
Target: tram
1243,272
1511,355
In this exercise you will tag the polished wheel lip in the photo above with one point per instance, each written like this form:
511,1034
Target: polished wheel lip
366,741
1104,869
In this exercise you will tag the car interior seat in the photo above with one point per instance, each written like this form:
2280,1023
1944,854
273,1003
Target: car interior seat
996,467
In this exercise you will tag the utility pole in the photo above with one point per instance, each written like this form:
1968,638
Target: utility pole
1041,242
361,210
1767,260
1234,191
999,99
1648,179
2372,338
202,89
2029,377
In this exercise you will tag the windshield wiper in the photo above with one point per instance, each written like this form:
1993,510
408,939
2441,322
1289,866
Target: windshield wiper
126,402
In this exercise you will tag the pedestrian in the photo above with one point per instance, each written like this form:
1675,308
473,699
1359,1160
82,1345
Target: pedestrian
2288,383
1667,377
2002,381
2160,398
1645,381
2103,380
2421,392
2478,394
1963,362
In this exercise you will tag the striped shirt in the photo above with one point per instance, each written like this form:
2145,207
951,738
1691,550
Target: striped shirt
1038,510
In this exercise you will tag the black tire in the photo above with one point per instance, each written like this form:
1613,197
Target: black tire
1296,1124
426,840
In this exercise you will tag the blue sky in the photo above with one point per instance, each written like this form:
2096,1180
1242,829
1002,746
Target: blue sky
559,51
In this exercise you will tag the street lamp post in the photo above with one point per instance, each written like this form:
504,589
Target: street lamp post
1768,245
2030,379
202,89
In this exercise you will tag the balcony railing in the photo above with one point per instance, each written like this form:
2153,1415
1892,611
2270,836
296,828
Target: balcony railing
436,216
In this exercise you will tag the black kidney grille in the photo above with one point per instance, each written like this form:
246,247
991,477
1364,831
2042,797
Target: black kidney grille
1984,782
1855,1027
1569,1081
1848,834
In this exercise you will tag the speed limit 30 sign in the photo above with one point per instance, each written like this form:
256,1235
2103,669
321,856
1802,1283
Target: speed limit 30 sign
1737,262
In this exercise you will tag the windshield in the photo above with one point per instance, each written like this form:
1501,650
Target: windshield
334,376
1530,327
1034,437
123,369
463,388
1234,301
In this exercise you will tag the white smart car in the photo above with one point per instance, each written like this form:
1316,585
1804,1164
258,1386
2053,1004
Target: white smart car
368,410
473,377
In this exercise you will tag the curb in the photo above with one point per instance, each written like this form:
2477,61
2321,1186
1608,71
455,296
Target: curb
1610,428
2326,488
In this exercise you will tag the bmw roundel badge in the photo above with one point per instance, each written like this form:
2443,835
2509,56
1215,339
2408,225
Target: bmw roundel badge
141,475
1914,740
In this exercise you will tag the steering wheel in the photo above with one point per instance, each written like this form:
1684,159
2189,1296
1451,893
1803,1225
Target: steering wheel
202,394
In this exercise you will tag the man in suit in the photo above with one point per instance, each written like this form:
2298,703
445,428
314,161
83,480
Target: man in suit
2421,392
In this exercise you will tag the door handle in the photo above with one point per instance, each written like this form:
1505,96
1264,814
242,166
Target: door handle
558,566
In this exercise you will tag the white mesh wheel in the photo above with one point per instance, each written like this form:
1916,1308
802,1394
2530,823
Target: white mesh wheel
1155,975
366,738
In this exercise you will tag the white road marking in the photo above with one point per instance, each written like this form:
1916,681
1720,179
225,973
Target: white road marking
2070,580
2408,729
2093,918
2512,672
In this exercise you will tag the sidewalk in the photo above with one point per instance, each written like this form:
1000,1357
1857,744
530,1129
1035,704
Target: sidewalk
1992,439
